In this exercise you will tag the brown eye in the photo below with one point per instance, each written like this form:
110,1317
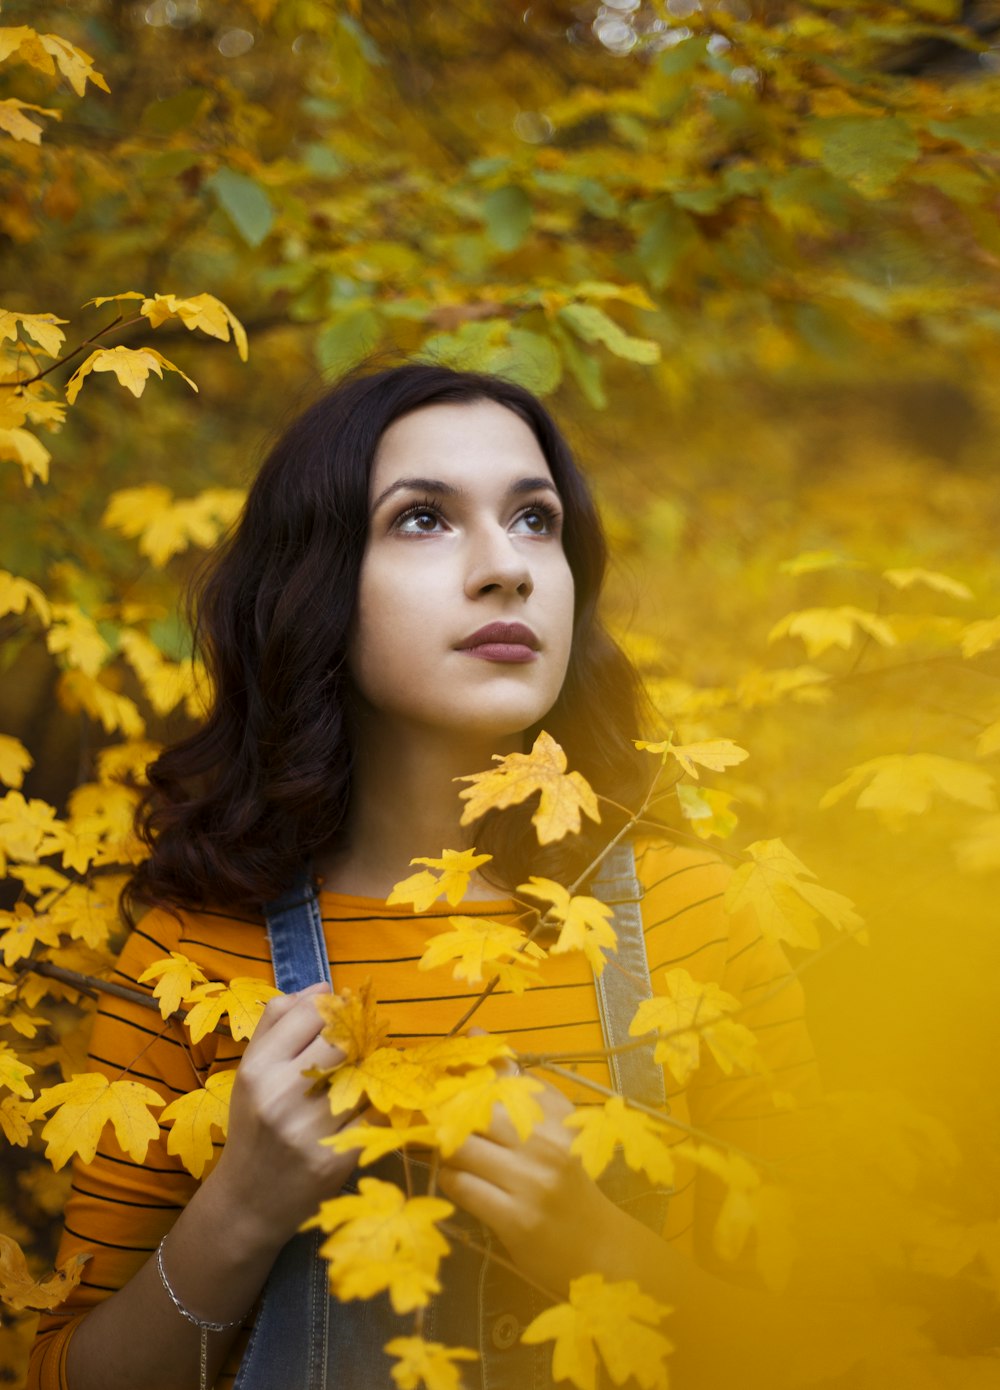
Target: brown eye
539,520
418,520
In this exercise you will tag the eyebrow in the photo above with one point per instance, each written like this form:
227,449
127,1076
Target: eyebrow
444,489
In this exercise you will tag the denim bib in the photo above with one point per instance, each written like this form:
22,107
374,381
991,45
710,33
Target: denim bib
304,1339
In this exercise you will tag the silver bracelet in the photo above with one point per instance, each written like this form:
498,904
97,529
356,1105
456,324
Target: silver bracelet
204,1327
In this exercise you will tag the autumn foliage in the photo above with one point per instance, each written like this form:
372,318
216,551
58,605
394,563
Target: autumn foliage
706,231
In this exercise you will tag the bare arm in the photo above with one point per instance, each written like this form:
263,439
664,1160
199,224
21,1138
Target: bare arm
271,1176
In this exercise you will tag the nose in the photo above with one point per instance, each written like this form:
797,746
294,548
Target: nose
497,565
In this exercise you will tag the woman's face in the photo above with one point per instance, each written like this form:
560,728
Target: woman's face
465,602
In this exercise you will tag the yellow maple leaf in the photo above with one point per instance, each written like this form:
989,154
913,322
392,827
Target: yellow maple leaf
716,754
15,761
176,976
88,1102
16,594
378,1239
352,1021
165,526
131,366
941,583
125,761
603,1128
585,923
42,329
375,1141
821,628
26,930
563,795
478,948
76,636
75,65
455,868
116,713
243,999
20,1291
390,1077
903,784
404,1079
463,1105
740,1211
165,683
785,897
14,1121
202,311
804,684
16,123
708,810
14,1072
681,1019
427,1364
193,1117
28,828
23,448
618,1321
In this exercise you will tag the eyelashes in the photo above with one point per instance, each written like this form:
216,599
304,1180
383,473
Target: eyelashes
428,507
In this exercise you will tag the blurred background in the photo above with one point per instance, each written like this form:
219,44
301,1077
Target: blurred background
750,254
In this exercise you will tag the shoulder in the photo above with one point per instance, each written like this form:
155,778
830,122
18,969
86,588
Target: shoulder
221,942
684,913
663,866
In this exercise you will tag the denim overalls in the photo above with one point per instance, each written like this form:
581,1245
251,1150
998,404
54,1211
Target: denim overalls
303,1339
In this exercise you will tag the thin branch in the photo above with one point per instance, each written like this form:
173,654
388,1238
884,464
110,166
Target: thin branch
75,352
654,1114
92,986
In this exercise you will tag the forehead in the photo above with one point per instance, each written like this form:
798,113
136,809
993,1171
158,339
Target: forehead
458,442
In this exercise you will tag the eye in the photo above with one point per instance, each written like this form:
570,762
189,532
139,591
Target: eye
540,519
422,519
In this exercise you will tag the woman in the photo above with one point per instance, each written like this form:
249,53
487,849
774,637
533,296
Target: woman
411,590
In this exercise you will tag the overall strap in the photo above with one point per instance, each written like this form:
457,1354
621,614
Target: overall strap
295,933
624,982
289,1344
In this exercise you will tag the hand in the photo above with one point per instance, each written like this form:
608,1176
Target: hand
534,1194
273,1170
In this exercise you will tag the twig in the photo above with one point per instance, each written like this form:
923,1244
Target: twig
92,986
667,1120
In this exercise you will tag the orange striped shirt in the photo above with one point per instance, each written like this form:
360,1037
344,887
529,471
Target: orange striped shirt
118,1210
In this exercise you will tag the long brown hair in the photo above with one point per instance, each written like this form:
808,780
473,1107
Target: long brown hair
234,810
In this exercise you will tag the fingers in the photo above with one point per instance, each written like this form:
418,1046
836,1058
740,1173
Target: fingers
288,1024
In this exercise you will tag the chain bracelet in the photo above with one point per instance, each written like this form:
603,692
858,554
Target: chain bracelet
204,1327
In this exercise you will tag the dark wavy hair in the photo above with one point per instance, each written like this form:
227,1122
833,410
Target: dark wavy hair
234,810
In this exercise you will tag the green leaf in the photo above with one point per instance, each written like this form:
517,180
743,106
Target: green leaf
320,160
507,213
348,339
669,233
585,368
868,152
532,360
594,326
973,132
684,56
245,203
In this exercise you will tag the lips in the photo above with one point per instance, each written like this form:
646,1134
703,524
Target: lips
502,642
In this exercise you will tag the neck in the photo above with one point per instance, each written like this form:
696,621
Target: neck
404,804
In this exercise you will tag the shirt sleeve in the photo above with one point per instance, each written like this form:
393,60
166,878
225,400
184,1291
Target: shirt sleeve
775,1116
118,1210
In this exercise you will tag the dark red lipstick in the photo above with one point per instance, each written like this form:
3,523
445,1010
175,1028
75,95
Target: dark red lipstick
502,642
